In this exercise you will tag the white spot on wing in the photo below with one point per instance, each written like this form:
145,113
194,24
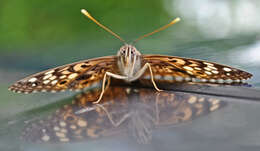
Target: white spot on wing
212,67
203,80
46,81
215,71
188,68
178,78
53,77
147,77
49,72
209,64
47,76
72,76
228,81
63,76
32,79
197,68
168,78
208,73
220,81
237,80
212,80
189,72
158,77
227,69
54,82
187,79
208,69
195,80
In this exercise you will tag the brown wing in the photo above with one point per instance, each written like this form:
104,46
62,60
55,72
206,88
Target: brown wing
73,76
171,68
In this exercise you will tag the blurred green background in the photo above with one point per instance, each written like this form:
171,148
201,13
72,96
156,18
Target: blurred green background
37,35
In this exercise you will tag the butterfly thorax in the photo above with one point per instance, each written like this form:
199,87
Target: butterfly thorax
129,61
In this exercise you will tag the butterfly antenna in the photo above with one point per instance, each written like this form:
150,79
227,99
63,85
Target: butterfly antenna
159,29
86,13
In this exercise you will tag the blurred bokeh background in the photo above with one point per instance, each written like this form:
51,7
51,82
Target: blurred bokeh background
37,35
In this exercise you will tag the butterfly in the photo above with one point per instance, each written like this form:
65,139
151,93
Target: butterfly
128,65
123,109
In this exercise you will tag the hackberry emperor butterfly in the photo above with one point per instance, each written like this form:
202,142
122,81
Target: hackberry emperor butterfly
129,65
138,111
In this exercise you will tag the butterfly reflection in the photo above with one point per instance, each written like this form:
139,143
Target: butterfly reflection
123,110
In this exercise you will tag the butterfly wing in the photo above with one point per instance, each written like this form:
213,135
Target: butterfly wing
73,76
171,68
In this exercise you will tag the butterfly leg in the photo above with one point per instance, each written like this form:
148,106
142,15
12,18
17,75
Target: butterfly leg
141,72
152,78
114,123
116,76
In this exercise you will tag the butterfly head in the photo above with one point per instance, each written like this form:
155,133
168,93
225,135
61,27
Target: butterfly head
127,51
129,59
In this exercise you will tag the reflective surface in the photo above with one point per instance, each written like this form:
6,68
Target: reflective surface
137,117
137,111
